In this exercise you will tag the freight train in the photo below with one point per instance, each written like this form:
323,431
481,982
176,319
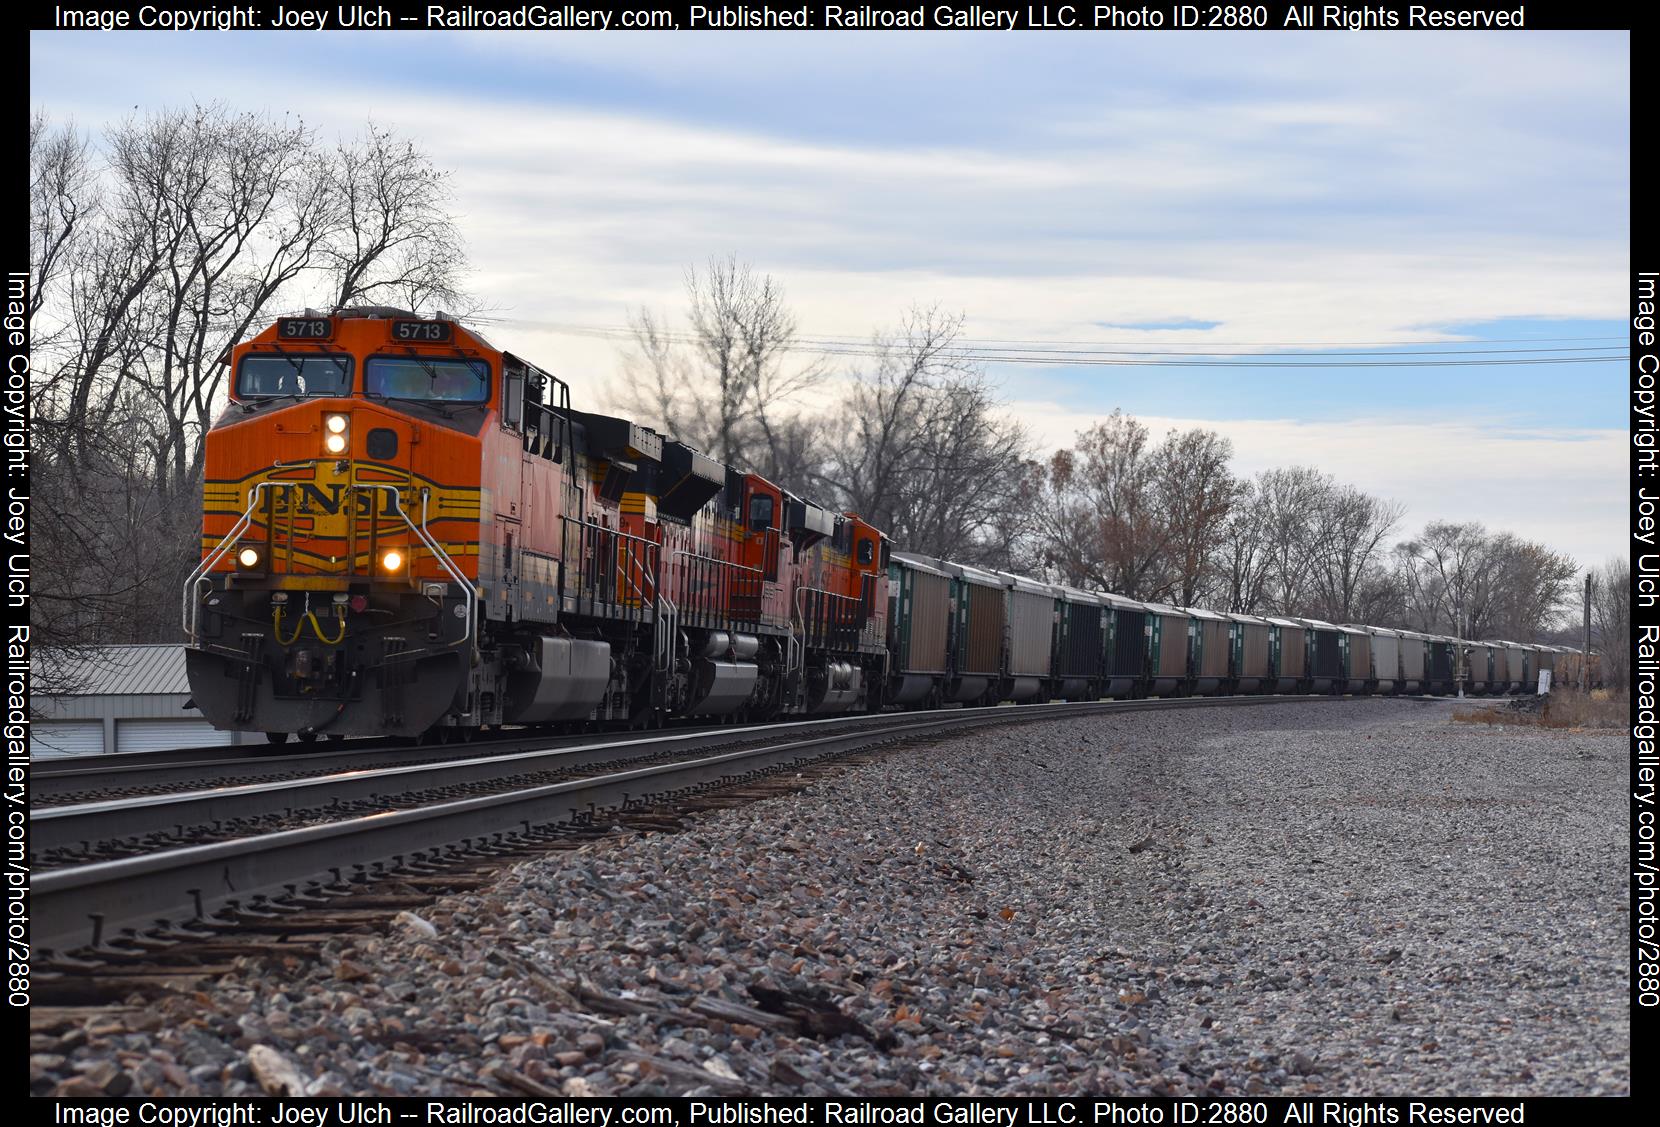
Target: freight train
409,532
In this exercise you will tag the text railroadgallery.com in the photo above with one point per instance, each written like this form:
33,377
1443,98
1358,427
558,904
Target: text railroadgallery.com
807,1112
1168,16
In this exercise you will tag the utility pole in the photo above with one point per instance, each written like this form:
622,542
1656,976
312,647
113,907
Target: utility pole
1458,664
1585,652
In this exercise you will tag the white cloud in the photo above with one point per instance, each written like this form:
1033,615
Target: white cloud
1291,188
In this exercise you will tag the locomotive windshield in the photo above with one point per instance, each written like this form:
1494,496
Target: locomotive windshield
445,379
270,375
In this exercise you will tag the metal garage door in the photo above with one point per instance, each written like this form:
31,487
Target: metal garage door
49,738
164,735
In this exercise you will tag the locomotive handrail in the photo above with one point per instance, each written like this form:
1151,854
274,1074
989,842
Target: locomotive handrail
191,590
726,594
717,560
438,554
635,559
801,611
668,626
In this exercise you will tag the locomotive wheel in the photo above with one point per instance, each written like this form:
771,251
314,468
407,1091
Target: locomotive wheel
306,737
276,737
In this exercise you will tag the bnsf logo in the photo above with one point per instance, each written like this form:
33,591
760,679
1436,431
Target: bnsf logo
330,499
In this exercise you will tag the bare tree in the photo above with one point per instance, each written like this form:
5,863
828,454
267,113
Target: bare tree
1288,498
1118,513
243,215
1380,596
874,462
1447,570
1195,494
1098,514
659,390
727,385
1463,577
1349,529
1531,584
63,205
1242,558
1611,622
110,552
392,238
917,428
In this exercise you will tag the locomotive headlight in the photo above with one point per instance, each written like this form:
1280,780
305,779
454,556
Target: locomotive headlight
336,424
247,558
334,443
391,560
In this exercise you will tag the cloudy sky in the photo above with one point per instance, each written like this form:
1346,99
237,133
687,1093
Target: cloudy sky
1254,199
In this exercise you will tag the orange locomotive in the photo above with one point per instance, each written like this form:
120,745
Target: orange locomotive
409,532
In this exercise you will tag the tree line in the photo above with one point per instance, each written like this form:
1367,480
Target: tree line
912,436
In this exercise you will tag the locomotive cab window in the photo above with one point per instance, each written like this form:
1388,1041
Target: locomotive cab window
760,512
268,375
867,551
439,379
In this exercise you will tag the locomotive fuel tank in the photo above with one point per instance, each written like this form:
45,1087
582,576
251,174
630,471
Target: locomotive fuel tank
556,679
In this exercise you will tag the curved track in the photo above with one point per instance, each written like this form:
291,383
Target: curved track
184,892
129,774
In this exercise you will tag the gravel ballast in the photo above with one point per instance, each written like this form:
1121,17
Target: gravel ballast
1356,897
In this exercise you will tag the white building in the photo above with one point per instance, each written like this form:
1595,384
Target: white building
128,698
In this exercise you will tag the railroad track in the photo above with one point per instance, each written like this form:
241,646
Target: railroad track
170,892
93,778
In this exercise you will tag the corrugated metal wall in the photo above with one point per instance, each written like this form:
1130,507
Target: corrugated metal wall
1412,652
981,649
162,735
49,738
1081,640
1172,645
1253,656
1481,663
1386,657
1213,657
1129,643
925,601
1293,651
1032,633
1328,654
1440,661
1501,664
1359,647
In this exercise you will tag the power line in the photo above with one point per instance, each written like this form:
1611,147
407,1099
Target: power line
1041,352
1313,362
1017,344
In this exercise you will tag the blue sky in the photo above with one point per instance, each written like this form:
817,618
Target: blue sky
1136,190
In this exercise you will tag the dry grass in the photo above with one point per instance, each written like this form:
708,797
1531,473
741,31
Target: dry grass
1563,708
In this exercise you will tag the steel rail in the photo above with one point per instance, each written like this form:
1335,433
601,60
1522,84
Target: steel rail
104,772
64,827
164,768
50,778
159,892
